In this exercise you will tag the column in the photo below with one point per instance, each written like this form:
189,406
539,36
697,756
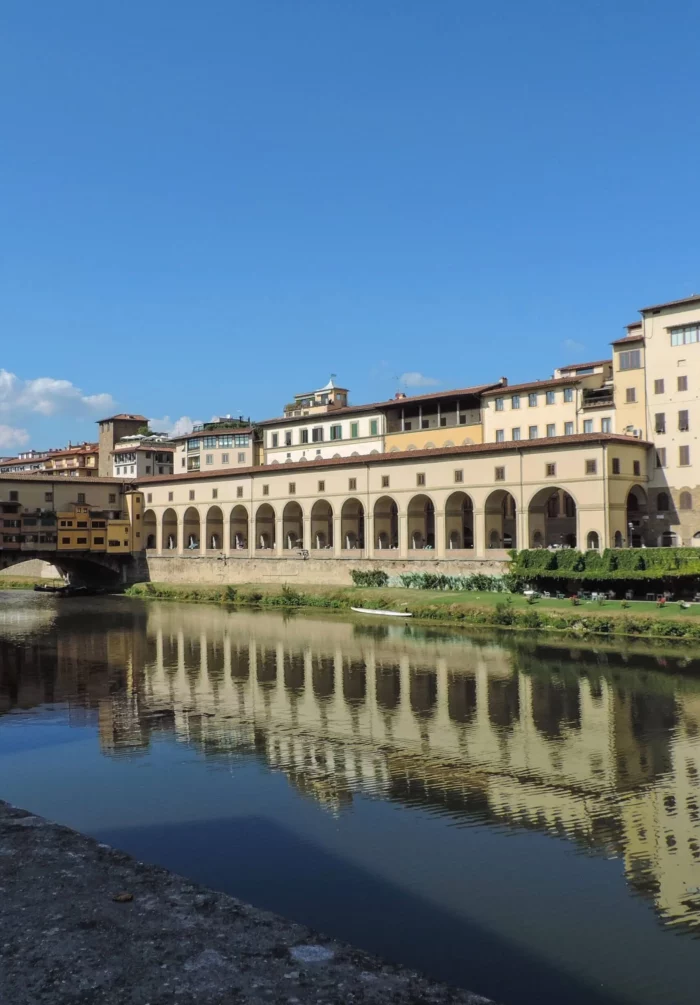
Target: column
279,543
181,543
337,534
306,531
159,533
440,533
403,535
479,533
226,534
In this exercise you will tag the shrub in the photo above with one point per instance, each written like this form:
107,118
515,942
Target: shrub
369,577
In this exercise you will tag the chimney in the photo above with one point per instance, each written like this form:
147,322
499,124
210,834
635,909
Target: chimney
503,381
399,396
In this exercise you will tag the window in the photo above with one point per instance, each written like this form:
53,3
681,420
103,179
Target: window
208,458
683,421
630,395
66,540
660,422
215,493
532,432
658,387
81,540
352,484
385,481
532,400
304,436
686,500
550,470
275,439
239,491
591,467
515,401
82,524
112,543
459,477
14,496
551,429
636,468
191,494
588,425
149,497
568,394
321,486
317,434
616,465
336,432
226,441
225,458
208,442
148,469
499,404
684,334
420,479
662,502
98,540
684,456
183,462
515,433
568,429
354,430
425,423
661,457
81,498
373,427
550,397
193,444
500,436
266,490
241,456
631,359
288,438
48,496
499,474
241,440
682,383
170,497
606,425
292,488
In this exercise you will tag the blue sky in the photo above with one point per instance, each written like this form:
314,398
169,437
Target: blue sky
212,206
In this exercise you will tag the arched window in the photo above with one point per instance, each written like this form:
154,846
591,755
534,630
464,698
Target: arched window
662,502
618,539
686,500
592,541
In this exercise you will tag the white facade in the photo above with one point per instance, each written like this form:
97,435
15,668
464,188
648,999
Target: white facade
321,436
138,456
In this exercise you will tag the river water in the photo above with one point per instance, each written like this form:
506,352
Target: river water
505,813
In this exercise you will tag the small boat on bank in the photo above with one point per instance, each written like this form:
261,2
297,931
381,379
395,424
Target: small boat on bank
387,614
68,591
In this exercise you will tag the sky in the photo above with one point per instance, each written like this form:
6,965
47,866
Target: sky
208,207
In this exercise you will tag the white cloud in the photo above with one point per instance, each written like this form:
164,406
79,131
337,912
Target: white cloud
48,396
572,345
12,438
415,379
173,428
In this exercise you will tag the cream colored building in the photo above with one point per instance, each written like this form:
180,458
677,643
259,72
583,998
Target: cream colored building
140,455
223,443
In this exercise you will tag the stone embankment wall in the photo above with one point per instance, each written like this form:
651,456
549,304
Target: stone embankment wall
326,572
33,568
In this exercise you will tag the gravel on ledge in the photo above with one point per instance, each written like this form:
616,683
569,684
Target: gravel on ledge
83,923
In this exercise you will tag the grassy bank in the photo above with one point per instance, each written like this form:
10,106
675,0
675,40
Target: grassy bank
638,619
27,582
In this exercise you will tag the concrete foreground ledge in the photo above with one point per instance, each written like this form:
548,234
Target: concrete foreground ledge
64,938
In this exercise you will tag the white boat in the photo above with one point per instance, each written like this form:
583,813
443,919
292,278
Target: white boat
388,614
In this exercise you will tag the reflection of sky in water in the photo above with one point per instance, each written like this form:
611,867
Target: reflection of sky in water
451,804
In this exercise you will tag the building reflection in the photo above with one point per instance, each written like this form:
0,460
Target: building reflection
591,747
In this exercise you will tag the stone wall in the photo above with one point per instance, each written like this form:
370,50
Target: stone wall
330,571
33,568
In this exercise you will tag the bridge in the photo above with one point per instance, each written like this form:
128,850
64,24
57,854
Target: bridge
88,528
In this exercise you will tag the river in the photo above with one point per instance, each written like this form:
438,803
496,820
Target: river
503,812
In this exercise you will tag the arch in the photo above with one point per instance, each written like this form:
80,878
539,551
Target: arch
150,526
448,443
669,539
265,523
386,523
335,456
191,528
459,521
292,526
662,502
500,515
411,446
421,523
552,514
429,445
394,450
375,451
636,508
321,525
239,528
685,501
352,524
695,540
618,539
355,453
169,530
214,528
467,441
592,541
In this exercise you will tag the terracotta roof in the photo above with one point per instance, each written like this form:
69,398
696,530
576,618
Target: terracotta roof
532,385
124,415
693,298
212,432
84,450
582,366
59,479
628,338
152,447
634,324
378,405
577,439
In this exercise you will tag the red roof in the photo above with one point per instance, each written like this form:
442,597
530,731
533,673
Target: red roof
582,366
533,385
693,298
124,415
628,338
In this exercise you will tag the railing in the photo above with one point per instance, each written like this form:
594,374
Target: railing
597,397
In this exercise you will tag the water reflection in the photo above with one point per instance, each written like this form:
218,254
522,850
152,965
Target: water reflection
514,734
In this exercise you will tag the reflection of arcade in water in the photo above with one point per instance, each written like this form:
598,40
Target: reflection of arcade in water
514,737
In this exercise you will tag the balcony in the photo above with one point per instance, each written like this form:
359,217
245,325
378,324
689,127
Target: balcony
598,397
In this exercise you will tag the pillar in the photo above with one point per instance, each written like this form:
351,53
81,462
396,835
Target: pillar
226,534
479,533
159,533
306,530
403,534
337,534
279,542
440,532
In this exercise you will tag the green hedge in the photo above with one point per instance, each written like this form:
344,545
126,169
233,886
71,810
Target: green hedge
612,564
